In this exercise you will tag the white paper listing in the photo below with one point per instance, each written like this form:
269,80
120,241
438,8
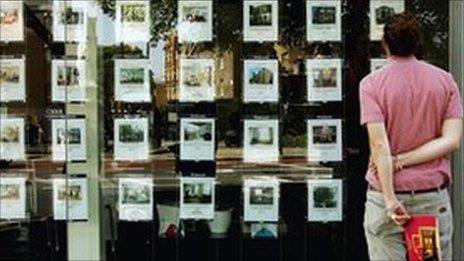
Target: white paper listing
70,199
70,21
195,21
325,200
324,20
197,198
12,80
261,141
12,198
135,199
12,139
380,12
197,139
324,140
132,83
69,140
68,81
197,81
260,20
324,78
11,21
131,139
261,81
261,200
132,21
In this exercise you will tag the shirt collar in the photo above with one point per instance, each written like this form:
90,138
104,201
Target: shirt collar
401,59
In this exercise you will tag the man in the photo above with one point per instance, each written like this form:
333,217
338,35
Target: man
412,110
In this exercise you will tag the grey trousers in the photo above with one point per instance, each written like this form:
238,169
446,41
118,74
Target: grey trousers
385,239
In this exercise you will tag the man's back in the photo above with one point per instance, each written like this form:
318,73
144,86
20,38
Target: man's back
413,99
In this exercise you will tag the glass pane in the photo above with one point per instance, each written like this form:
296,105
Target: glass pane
189,128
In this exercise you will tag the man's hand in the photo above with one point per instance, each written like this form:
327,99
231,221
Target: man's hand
397,212
395,209
396,160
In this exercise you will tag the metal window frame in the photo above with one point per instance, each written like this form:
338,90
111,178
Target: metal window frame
456,58
85,240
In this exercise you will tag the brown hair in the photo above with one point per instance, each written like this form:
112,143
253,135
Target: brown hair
402,34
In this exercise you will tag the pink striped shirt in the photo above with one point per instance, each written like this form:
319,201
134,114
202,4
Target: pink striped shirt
412,98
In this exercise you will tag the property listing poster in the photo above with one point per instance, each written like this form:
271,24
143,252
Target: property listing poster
325,200
197,139
12,139
260,20
70,21
132,82
261,141
68,81
324,140
381,11
261,81
69,140
197,80
11,21
70,199
261,200
378,63
131,139
12,198
195,22
12,80
324,20
135,199
197,198
132,21
324,79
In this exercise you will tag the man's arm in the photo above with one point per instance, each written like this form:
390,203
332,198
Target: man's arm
381,156
448,142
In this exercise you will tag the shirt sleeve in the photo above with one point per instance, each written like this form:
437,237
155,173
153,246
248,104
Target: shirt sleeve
370,107
453,107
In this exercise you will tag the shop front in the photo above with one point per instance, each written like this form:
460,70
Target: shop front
196,130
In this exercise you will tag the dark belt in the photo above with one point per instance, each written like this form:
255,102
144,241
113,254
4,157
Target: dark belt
412,192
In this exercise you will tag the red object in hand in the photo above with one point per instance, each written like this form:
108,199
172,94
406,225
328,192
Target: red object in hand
422,238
